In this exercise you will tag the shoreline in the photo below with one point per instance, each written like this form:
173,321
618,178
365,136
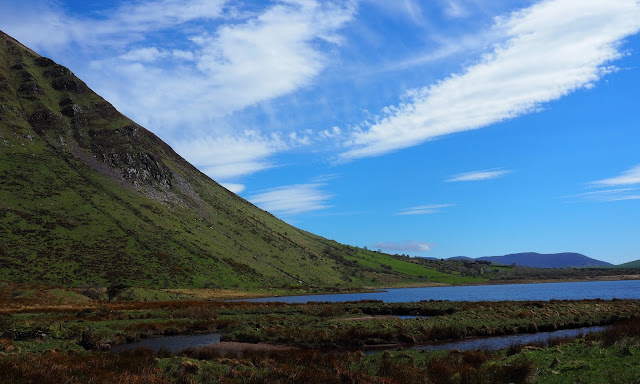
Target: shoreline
249,295
42,295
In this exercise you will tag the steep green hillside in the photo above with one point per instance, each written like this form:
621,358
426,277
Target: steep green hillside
89,196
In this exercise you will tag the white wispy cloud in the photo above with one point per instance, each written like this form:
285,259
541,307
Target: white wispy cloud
424,209
619,187
226,157
293,199
325,178
144,54
476,42
151,54
238,64
125,24
146,15
407,9
550,49
234,187
407,246
616,194
455,9
629,177
487,174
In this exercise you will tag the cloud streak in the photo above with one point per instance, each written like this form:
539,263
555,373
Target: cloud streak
630,177
617,194
293,199
424,209
226,157
478,175
620,188
550,50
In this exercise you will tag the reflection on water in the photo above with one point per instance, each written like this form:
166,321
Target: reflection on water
172,343
502,342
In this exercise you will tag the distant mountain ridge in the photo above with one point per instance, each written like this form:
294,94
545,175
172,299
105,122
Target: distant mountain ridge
542,260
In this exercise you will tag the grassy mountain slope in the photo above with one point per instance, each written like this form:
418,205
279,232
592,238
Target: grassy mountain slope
89,196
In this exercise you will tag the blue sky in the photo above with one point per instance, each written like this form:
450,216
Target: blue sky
435,128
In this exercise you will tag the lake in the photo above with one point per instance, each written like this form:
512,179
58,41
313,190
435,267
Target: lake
606,290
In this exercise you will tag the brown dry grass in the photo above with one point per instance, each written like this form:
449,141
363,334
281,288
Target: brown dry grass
216,294
134,367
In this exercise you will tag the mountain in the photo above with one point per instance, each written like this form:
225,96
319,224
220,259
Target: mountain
541,260
630,264
87,196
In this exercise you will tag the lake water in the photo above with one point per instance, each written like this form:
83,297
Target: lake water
606,290
173,343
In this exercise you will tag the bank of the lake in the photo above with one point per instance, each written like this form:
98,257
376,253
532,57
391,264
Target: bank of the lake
606,290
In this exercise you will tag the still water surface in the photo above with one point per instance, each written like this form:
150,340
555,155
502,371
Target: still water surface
502,342
173,343
176,344
606,290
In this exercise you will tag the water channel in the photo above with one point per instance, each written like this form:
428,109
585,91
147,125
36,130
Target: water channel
176,344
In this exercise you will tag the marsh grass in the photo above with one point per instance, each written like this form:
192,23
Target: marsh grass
324,334
134,367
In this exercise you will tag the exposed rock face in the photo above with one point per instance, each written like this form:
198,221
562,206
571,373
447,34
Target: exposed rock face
43,61
30,89
72,110
117,148
67,83
42,120
57,71
140,168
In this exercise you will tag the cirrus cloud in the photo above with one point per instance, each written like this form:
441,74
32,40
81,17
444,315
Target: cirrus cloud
478,175
550,49
629,177
424,209
293,199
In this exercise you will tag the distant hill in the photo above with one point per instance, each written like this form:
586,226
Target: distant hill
631,264
542,260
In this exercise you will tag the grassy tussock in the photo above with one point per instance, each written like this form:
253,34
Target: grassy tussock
349,367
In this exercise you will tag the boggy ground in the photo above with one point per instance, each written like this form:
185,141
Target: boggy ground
64,340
